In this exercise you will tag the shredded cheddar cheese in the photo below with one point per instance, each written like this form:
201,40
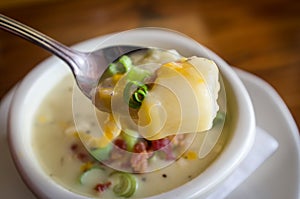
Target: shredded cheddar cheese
191,155
86,166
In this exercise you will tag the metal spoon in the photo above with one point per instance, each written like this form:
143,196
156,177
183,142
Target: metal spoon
87,67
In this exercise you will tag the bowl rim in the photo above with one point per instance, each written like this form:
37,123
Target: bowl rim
241,143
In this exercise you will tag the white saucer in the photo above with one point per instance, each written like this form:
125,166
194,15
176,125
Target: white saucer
277,178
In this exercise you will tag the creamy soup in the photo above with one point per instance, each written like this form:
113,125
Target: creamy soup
58,145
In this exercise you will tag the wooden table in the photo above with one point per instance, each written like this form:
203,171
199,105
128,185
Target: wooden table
259,36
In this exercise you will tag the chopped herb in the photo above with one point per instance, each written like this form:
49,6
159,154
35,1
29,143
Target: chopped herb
126,61
134,93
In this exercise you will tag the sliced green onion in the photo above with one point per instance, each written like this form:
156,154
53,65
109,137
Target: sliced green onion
121,66
137,74
102,154
126,186
92,176
115,68
139,95
126,61
134,93
131,138
220,117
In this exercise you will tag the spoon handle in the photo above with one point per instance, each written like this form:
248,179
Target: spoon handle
41,40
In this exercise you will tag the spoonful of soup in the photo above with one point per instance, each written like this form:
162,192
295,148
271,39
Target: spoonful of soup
152,103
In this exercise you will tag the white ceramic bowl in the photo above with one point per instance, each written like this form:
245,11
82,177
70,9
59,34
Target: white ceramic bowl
46,75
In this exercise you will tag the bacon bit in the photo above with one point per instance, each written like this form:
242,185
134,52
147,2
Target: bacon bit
119,157
139,162
83,157
102,187
178,140
74,147
161,143
140,147
169,152
117,154
121,144
80,152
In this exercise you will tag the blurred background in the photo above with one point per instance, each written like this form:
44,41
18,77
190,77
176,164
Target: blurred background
258,36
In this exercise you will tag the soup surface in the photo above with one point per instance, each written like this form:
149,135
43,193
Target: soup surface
62,116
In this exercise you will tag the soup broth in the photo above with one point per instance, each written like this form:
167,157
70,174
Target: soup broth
54,145
67,124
